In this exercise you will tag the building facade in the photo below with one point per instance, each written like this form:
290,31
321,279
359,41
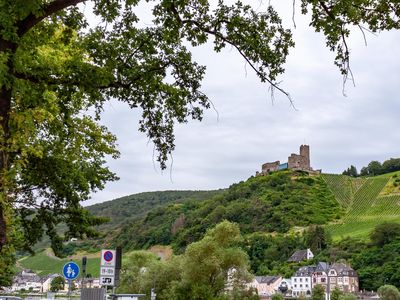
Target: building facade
328,276
302,281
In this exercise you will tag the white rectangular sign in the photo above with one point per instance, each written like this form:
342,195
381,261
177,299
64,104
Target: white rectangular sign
107,280
108,258
107,267
107,271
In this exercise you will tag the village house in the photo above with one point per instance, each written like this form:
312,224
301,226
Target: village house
301,255
344,277
266,286
301,281
29,281
328,276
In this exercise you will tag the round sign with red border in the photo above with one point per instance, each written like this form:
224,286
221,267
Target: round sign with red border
108,256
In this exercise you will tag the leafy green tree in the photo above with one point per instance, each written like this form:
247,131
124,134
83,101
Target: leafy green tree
277,296
56,74
57,284
385,233
391,165
55,71
318,292
388,292
140,271
374,168
336,293
351,171
347,297
302,297
215,262
203,272
316,238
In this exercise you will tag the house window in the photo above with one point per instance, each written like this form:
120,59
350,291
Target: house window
295,285
301,285
323,279
332,272
339,279
306,285
301,279
306,279
295,280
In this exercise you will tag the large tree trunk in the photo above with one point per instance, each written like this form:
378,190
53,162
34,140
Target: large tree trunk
5,106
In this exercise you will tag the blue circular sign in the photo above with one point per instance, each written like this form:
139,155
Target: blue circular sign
108,256
70,270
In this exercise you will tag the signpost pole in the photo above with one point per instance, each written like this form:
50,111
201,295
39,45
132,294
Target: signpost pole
69,289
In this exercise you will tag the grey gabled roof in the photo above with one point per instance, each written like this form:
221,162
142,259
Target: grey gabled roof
322,267
343,270
298,256
305,271
267,279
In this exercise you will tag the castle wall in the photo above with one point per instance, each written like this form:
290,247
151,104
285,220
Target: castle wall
295,161
270,166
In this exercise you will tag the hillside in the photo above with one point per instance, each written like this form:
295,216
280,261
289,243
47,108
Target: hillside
272,203
368,202
44,262
132,207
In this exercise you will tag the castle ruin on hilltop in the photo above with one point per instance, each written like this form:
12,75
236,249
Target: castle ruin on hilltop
295,162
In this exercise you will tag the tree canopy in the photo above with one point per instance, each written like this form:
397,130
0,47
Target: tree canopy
56,73
389,292
211,268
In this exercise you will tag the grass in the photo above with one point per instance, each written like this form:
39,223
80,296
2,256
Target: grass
369,202
43,264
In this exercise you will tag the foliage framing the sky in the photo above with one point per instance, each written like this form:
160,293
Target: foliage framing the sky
56,73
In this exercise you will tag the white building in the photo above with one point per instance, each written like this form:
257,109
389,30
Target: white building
302,281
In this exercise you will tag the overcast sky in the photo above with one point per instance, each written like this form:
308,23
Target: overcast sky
249,129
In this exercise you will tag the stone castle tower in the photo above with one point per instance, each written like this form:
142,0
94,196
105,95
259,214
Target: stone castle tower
299,161
305,151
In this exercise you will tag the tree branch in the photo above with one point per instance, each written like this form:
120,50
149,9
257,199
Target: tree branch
226,40
327,9
31,20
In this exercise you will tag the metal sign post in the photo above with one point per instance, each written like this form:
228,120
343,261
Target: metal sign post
70,272
107,267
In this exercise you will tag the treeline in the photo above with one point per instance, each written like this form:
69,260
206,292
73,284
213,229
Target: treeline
375,168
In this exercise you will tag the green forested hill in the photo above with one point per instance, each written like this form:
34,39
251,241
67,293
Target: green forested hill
272,203
272,211
132,207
